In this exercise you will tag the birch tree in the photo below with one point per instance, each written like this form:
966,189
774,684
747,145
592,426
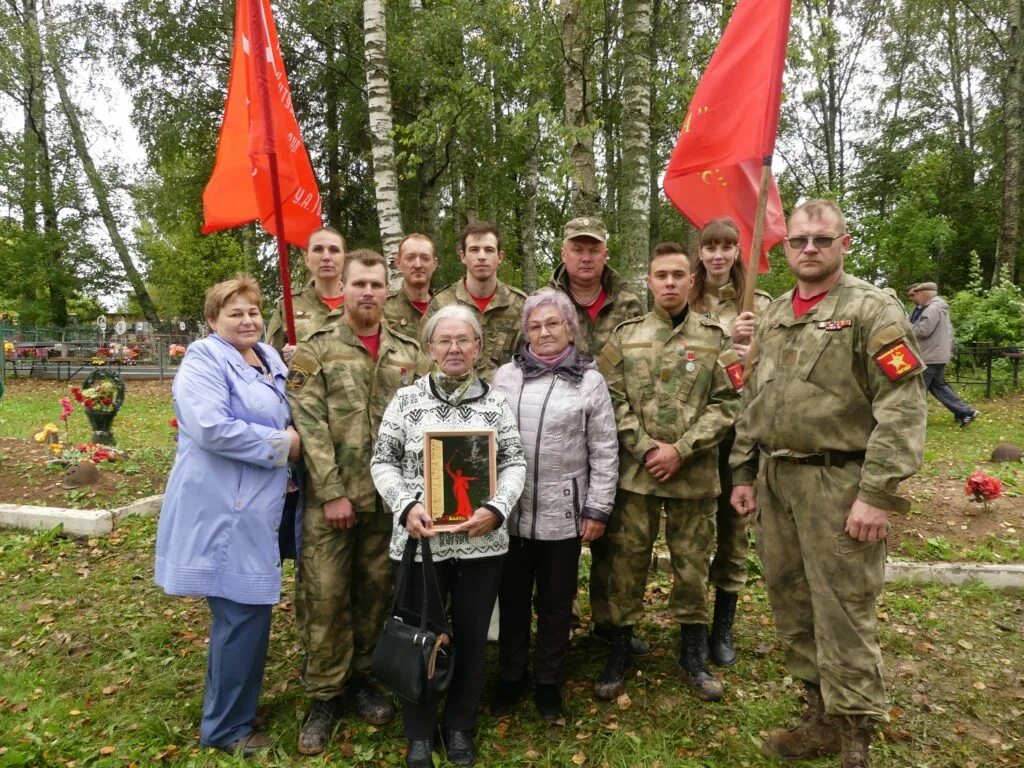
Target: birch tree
583,195
1008,263
635,197
378,84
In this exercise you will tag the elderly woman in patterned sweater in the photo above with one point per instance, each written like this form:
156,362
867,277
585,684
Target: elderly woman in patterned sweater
468,558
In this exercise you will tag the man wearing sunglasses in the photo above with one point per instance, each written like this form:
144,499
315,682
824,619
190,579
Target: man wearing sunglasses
833,419
934,333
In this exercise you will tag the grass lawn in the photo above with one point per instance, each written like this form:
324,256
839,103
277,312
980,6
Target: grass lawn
99,668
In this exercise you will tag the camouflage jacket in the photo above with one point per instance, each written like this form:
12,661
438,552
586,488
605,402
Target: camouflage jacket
846,376
310,313
620,304
338,394
676,385
724,304
402,315
500,321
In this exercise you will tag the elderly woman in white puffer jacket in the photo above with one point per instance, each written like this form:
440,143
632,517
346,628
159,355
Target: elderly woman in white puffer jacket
567,424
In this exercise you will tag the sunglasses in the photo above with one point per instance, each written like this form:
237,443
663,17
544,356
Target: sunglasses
820,242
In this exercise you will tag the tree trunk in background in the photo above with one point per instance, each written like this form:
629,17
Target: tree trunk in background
332,141
584,198
653,167
1007,264
610,93
385,174
99,187
528,234
635,197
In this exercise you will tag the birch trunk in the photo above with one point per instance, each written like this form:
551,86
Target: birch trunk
584,198
1007,264
385,174
528,234
635,195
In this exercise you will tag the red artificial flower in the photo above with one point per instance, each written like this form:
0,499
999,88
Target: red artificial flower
63,416
107,401
173,423
90,403
983,487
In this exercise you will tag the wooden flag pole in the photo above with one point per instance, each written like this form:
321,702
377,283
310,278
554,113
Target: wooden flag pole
754,257
261,43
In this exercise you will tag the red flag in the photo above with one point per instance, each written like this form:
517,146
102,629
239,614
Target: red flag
729,130
240,189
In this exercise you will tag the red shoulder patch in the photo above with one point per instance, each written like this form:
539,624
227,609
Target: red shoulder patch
898,361
735,371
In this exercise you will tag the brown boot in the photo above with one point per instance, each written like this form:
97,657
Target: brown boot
814,736
857,732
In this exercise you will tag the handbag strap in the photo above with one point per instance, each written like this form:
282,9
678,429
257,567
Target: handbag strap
430,579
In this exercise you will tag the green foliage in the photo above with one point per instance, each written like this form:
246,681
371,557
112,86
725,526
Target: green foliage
995,317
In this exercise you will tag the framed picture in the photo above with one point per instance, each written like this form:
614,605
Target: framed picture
460,469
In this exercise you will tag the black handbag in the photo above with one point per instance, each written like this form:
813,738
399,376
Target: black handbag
415,654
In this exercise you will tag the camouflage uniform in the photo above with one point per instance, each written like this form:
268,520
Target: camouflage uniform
500,321
338,394
669,384
310,313
834,404
620,304
729,564
402,315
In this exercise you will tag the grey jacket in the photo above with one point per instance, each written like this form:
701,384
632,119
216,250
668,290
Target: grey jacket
567,423
934,332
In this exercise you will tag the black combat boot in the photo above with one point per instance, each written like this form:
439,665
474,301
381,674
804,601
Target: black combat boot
612,680
720,645
693,661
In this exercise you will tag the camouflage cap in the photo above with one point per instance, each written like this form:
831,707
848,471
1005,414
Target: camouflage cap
586,226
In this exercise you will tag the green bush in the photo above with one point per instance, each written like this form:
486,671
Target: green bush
997,317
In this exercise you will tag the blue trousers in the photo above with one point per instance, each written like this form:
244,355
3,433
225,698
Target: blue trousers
935,382
239,635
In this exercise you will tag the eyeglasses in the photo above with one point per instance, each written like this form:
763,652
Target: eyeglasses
463,342
820,242
550,326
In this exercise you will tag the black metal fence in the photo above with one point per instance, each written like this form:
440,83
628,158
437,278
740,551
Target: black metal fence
997,369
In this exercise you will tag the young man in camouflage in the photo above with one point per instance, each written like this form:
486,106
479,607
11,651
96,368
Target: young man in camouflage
833,420
341,379
674,381
417,262
319,298
602,300
496,305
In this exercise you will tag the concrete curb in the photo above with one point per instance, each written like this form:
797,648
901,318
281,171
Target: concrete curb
77,522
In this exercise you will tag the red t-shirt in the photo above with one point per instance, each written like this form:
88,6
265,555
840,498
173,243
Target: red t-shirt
422,305
594,308
801,306
333,302
481,302
372,343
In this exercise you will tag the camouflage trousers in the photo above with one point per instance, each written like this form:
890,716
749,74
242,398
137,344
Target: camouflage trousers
600,574
342,596
732,542
822,584
689,533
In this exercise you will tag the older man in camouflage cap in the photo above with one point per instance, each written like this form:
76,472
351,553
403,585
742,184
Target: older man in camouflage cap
674,379
602,300
341,379
833,420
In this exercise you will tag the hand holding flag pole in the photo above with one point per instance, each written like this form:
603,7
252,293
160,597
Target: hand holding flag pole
721,164
262,171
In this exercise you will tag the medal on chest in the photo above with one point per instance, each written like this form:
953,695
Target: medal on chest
691,364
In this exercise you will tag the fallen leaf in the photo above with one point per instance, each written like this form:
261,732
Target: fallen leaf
108,750
532,754
110,690
579,758
624,702
980,686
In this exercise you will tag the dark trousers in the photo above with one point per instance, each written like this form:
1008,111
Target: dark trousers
239,636
472,586
729,565
554,567
935,382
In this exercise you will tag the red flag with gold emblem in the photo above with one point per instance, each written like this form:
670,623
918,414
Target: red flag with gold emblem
258,122
730,128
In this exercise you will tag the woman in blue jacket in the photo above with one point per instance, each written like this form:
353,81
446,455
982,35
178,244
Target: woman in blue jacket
218,531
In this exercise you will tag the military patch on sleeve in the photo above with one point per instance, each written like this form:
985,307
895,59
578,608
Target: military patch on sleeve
735,371
898,361
297,377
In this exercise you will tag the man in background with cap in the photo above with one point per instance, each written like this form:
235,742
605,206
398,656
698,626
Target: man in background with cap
934,332
602,300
